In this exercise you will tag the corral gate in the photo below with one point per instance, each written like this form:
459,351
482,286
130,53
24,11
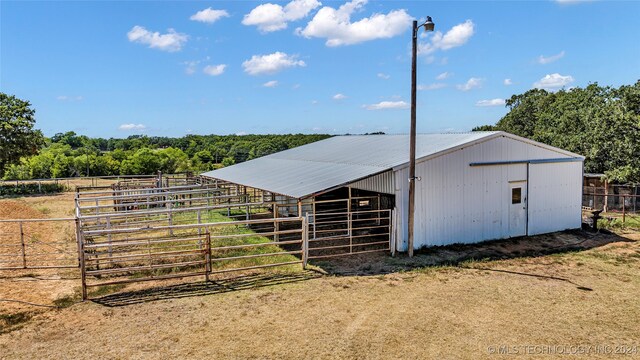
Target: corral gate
333,234
120,256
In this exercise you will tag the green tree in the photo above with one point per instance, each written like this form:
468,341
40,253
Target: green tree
601,123
228,161
143,161
18,138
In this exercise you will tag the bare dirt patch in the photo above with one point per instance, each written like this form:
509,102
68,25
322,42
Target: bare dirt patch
460,310
571,288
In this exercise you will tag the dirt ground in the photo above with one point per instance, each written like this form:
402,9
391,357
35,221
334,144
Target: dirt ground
571,292
43,287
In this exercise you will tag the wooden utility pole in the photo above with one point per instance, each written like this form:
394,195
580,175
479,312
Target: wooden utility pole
428,26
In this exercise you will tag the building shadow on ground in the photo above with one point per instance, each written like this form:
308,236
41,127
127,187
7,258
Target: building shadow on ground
456,254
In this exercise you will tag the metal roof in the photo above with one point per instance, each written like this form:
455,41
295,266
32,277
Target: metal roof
325,164
313,168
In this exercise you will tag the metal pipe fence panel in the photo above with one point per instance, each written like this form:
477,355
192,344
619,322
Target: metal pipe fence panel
333,234
127,255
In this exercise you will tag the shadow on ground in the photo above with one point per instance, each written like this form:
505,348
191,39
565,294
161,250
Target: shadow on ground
202,288
382,263
454,255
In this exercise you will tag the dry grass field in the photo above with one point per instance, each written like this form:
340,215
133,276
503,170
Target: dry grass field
555,292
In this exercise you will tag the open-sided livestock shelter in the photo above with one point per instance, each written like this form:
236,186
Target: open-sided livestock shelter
472,186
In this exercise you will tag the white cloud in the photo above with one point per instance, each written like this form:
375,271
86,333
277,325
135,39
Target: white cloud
314,102
553,81
132,127
491,102
270,84
335,25
444,75
507,82
209,15
273,17
190,68
456,36
214,70
434,86
385,105
241,133
271,63
339,96
472,83
171,41
384,76
549,59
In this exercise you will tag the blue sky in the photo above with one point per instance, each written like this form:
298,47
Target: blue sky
117,68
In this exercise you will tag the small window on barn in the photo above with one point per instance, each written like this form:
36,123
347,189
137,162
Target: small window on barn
363,203
516,195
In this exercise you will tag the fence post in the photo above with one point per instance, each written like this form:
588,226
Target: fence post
624,208
81,262
170,218
305,240
392,233
276,224
24,254
207,257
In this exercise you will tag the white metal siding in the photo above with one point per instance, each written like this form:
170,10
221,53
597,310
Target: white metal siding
382,183
555,197
457,203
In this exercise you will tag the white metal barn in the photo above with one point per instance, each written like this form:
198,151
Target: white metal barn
473,186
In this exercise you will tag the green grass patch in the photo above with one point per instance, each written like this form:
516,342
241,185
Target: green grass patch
614,221
10,322
105,289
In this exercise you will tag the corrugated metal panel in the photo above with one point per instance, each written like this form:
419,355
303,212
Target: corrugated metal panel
381,183
336,161
457,203
555,197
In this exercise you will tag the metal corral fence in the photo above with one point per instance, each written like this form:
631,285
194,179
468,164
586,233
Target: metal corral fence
118,256
334,234
157,231
38,244
92,182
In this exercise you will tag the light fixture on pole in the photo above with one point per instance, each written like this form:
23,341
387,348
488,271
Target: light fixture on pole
428,26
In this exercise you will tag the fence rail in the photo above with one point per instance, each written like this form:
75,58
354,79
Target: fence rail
147,230
126,255
27,244
333,234
80,183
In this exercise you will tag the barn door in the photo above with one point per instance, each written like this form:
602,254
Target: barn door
517,208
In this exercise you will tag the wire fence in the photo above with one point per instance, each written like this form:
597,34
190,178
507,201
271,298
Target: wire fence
38,244
72,184
614,209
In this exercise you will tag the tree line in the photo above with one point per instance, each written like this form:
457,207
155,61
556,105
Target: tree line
69,154
25,153
601,123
